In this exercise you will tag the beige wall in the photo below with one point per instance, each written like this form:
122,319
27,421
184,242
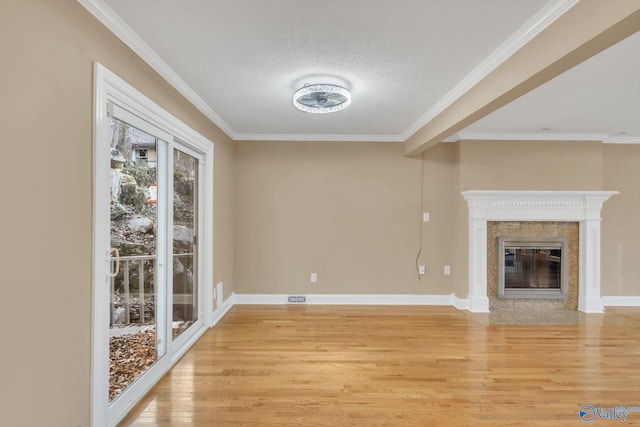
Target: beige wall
224,214
48,50
620,221
530,165
439,234
347,211
460,216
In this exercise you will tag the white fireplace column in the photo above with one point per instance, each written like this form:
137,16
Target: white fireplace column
568,206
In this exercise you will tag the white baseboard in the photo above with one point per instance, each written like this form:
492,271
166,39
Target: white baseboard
381,299
221,311
350,299
261,299
460,303
614,301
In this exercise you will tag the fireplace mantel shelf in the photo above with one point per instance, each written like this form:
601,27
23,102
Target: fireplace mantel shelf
580,206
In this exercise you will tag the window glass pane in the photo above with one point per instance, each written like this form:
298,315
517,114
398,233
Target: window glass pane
185,201
133,300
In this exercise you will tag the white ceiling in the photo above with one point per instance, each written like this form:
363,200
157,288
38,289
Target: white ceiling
596,100
240,61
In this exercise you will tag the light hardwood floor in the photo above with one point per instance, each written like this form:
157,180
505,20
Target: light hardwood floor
398,366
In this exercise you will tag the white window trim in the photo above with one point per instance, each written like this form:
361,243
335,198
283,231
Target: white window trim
109,88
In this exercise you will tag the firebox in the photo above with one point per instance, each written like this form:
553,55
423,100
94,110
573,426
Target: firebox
533,267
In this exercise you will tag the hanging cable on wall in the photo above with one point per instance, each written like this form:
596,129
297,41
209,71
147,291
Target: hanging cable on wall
420,216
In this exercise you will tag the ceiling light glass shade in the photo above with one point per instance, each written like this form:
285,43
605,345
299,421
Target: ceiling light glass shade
321,98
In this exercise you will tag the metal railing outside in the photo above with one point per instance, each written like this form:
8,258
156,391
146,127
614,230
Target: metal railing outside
125,268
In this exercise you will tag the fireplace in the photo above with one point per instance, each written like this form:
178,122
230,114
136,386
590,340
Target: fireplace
533,267
530,242
581,208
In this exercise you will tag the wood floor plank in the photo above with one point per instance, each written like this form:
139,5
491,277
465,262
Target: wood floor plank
397,366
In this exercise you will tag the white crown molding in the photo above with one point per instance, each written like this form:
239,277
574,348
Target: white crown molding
316,137
530,136
621,140
527,32
453,138
542,136
120,29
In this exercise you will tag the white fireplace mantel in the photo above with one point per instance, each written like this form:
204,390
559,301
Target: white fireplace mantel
577,206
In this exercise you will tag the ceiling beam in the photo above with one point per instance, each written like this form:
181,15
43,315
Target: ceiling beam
586,29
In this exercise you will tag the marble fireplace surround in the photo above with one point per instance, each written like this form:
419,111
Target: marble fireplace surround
579,206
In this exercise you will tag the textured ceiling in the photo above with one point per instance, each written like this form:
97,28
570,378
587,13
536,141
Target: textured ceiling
401,60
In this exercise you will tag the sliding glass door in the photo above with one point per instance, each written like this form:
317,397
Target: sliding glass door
185,237
137,288
137,291
152,290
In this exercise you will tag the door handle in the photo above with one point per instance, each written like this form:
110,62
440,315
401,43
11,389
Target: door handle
117,270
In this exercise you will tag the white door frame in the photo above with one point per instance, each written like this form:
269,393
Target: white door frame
187,335
109,88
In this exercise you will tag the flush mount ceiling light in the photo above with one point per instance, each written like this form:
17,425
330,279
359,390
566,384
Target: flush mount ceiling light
321,98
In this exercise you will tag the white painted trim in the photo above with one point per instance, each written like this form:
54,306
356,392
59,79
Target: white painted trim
452,138
460,303
219,313
110,88
477,299
378,299
545,17
621,301
530,136
605,138
347,299
206,234
621,140
101,11
260,299
317,137
100,260
580,206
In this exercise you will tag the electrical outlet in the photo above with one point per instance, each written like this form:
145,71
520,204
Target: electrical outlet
425,217
314,277
447,270
422,270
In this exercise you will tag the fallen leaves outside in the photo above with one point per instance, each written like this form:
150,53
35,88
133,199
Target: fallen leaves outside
130,356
